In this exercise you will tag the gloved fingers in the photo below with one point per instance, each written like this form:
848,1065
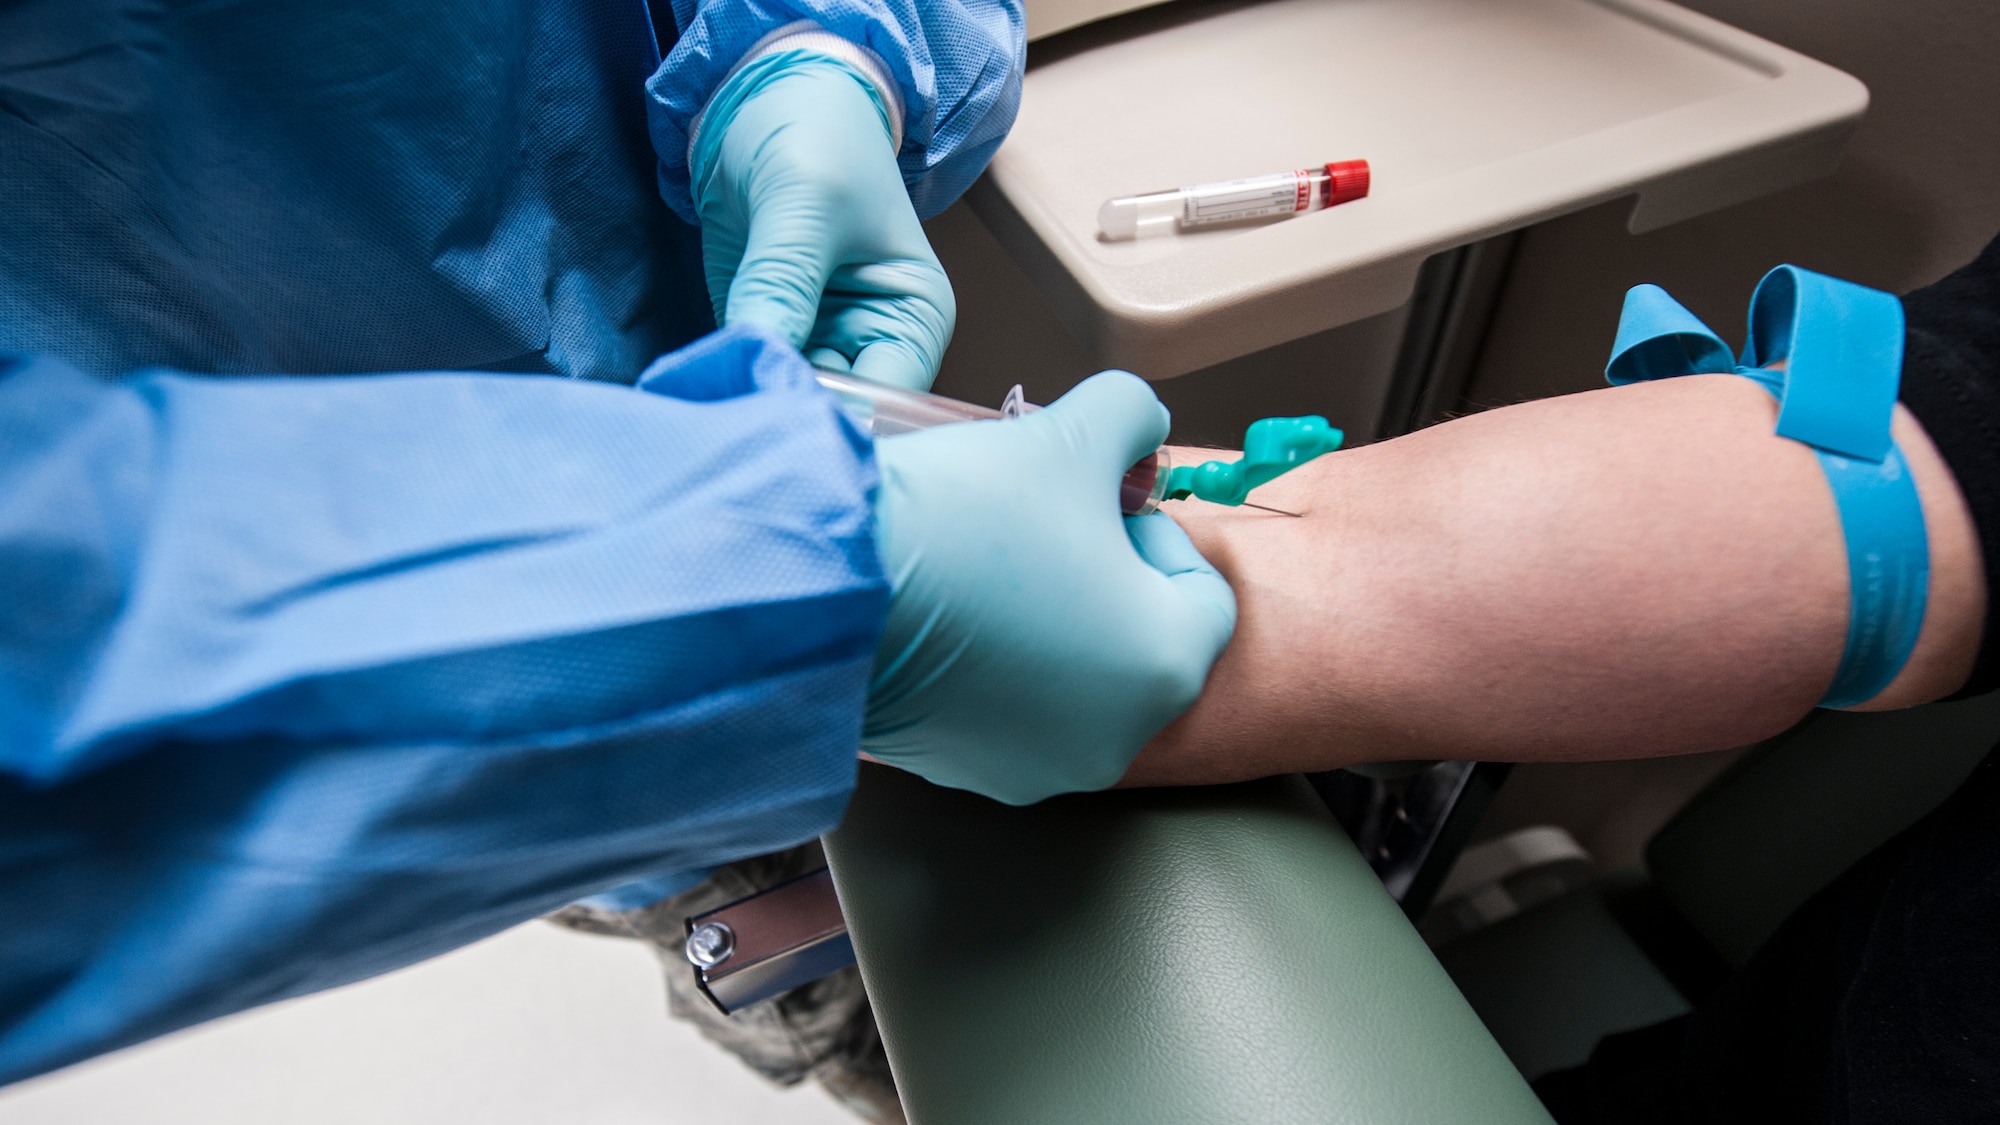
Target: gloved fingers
902,311
829,358
1165,547
892,362
721,252
1114,417
781,275
880,343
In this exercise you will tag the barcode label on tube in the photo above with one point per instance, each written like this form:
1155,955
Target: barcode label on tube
1245,199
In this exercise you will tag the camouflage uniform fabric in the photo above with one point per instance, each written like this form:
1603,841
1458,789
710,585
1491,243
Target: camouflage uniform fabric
823,1030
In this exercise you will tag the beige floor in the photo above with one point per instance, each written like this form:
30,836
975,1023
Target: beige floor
537,1026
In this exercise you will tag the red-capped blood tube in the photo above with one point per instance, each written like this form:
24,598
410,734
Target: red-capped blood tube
1280,193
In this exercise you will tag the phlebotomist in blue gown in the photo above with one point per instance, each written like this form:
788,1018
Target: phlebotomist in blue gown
540,586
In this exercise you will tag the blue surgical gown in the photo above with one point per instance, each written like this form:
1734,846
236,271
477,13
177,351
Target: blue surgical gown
314,186
304,679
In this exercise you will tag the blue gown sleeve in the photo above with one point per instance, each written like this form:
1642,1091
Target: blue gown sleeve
957,65
302,680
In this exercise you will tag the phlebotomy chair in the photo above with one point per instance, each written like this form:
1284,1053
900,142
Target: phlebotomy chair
1783,822
1163,956
1225,955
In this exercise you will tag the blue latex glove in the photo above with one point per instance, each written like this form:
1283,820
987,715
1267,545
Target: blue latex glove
807,229
1036,637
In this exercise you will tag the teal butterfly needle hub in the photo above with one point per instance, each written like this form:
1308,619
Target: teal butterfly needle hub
1272,447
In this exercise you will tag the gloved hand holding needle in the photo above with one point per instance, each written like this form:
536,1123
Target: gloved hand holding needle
1036,638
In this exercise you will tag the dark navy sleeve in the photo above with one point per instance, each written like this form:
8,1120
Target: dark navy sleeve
1951,383
302,680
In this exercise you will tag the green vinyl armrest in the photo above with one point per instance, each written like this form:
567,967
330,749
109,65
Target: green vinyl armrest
1151,956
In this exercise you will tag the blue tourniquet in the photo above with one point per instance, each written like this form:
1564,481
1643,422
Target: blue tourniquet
1841,346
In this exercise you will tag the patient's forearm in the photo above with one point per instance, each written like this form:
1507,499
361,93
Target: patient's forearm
1629,572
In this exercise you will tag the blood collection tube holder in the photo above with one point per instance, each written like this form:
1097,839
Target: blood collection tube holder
888,410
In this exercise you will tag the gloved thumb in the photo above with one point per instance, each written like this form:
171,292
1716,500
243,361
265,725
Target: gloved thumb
780,278
896,363
1114,419
1165,547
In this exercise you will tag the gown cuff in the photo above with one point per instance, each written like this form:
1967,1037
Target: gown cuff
805,35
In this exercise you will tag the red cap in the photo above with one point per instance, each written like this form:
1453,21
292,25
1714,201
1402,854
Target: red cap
1346,180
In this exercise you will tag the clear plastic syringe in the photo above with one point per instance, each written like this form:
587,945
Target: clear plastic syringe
890,410
1271,447
1280,193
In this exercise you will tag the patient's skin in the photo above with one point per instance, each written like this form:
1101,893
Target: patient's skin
1629,572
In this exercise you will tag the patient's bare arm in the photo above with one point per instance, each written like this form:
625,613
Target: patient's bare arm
1629,572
